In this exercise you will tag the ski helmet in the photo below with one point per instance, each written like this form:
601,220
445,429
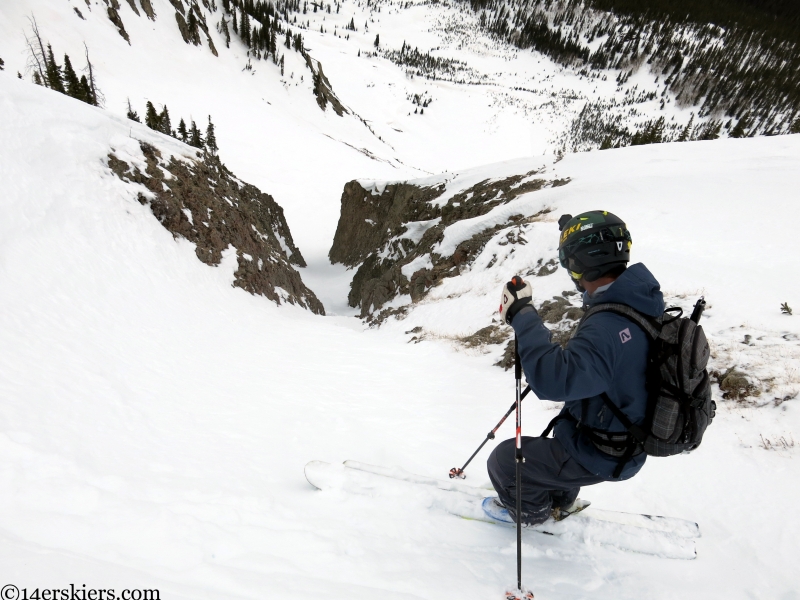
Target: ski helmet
592,244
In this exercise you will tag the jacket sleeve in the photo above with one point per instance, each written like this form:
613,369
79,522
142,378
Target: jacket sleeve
585,368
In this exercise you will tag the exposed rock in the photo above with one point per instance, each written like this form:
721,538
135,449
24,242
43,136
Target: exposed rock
114,17
382,231
486,336
562,318
323,89
203,202
178,5
735,385
147,7
211,46
133,7
189,36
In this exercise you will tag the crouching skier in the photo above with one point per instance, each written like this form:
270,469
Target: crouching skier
607,356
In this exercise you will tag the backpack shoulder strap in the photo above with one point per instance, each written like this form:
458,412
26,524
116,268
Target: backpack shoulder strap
649,325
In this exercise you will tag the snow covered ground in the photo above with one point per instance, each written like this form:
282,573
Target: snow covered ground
154,421
271,131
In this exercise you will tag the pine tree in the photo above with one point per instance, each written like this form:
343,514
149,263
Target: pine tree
288,42
165,125
244,27
377,41
282,65
132,114
74,87
211,138
195,137
87,90
234,22
226,33
795,128
2,64
739,130
686,133
151,117
55,80
183,135
94,95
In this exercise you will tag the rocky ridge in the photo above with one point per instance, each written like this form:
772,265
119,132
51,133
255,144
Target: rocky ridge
199,199
392,234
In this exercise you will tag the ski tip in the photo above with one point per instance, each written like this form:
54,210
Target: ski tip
315,473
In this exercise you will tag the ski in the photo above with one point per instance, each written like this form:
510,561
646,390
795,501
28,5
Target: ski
659,536
679,527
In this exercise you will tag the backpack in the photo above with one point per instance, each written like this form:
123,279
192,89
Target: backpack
679,404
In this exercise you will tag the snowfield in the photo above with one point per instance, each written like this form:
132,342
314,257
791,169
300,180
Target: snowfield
155,421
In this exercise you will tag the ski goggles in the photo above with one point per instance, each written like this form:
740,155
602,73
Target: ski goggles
594,249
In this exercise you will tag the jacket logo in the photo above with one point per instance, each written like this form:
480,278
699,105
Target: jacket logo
625,335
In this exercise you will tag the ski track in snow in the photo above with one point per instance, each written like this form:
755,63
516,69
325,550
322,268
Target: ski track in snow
155,421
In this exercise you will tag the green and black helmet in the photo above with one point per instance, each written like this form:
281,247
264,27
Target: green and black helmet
592,244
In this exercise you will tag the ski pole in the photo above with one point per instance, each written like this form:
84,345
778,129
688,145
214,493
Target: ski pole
519,461
455,471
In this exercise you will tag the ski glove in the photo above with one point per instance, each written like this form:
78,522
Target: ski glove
516,296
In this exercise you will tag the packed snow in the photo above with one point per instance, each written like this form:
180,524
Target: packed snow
155,421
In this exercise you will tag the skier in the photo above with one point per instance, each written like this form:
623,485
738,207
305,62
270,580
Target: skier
607,355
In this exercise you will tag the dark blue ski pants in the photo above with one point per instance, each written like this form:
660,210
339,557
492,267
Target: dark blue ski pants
550,477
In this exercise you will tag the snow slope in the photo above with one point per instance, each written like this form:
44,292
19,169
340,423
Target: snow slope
154,421
505,104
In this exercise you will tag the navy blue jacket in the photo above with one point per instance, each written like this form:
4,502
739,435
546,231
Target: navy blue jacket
608,354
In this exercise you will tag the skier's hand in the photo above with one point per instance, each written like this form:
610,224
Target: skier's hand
516,295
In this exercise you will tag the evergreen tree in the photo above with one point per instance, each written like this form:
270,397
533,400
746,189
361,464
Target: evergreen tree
686,133
226,33
165,125
739,130
132,114
234,22
55,80
288,42
2,64
282,65
195,137
37,79
183,135
87,90
795,128
74,87
211,138
151,117
95,95
244,27
377,41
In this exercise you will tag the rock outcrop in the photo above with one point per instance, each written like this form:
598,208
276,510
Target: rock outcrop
202,201
392,234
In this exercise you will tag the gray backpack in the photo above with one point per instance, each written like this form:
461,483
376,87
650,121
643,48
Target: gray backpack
679,406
